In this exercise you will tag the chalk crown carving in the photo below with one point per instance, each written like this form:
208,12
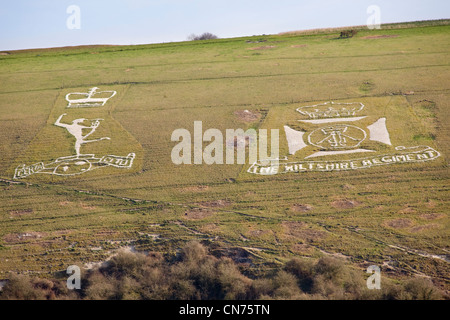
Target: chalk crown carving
331,110
93,98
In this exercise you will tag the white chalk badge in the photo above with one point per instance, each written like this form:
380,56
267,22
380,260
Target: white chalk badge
82,123
337,136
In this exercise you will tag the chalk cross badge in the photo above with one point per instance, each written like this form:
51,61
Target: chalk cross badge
327,136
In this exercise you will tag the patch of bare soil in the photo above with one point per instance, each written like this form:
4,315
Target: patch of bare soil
400,223
215,204
62,232
247,115
424,227
209,228
87,207
64,203
299,45
4,53
300,230
106,234
347,187
20,212
430,204
406,210
381,36
198,213
345,204
257,233
302,248
20,237
262,48
432,216
301,207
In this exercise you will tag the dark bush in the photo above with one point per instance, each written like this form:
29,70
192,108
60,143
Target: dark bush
348,33
204,36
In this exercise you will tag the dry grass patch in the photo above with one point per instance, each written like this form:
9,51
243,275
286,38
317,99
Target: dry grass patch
21,237
87,207
400,223
198,213
302,248
345,204
424,227
381,36
301,207
199,188
215,204
301,230
262,48
247,115
407,210
257,233
20,212
432,216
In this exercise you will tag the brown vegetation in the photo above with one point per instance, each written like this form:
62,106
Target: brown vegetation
301,207
345,204
247,115
196,274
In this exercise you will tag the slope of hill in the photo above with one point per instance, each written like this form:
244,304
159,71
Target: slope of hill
394,216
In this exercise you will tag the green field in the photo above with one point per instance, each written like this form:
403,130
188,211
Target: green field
394,216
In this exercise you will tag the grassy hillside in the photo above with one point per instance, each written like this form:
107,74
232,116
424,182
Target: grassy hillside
393,216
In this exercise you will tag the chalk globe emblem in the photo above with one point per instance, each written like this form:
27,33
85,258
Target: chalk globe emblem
72,167
339,136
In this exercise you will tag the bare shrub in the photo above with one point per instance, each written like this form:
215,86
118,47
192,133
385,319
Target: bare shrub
195,274
285,286
20,287
303,270
204,36
348,33
420,289
193,251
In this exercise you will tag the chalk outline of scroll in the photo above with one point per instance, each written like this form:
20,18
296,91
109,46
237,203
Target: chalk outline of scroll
126,162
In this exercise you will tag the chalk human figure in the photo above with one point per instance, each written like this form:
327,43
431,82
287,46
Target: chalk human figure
76,129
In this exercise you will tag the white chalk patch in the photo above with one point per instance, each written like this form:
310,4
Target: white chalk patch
294,139
76,129
330,153
378,132
89,99
319,121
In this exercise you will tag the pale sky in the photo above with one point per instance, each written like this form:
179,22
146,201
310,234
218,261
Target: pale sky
28,24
